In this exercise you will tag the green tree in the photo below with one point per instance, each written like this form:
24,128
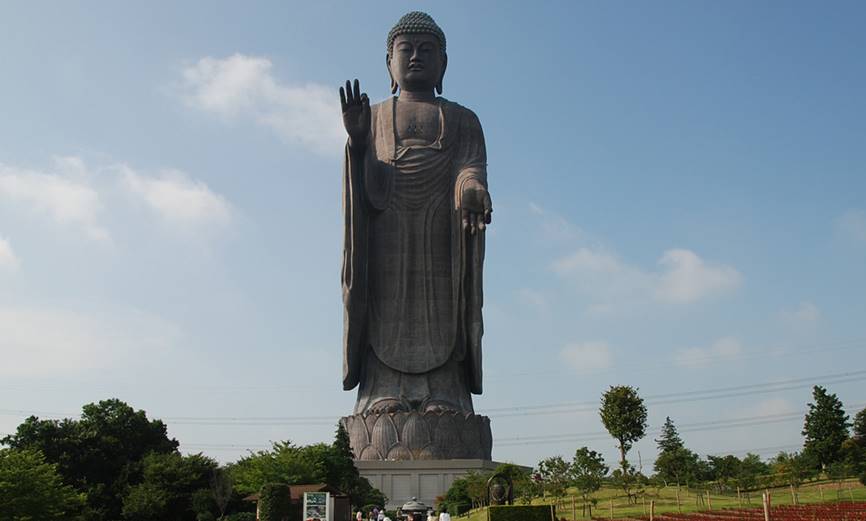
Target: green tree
288,463
274,502
669,440
624,415
221,490
825,428
100,454
31,489
679,466
555,472
751,468
859,427
795,467
725,470
587,472
342,473
169,485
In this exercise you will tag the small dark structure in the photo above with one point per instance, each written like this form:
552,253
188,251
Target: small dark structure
416,508
342,503
500,490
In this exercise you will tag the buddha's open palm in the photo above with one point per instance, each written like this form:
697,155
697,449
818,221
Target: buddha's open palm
476,207
356,113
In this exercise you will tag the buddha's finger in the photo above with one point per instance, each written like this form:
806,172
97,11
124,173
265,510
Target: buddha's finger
357,93
343,99
465,219
349,99
481,224
487,217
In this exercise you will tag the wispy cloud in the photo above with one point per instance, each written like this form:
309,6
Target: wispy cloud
722,350
586,357
852,226
683,277
177,199
240,86
805,314
44,342
8,259
555,228
64,198
71,193
686,277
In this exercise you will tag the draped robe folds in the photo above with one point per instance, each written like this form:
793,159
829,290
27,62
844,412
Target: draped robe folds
411,275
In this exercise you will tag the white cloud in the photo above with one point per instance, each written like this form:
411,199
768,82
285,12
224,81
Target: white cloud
587,357
177,198
684,277
44,342
724,349
771,407
852,226
64,198
244,86
806,314
8,259
534,299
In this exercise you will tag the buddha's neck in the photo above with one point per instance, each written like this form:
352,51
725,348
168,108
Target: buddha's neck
406,95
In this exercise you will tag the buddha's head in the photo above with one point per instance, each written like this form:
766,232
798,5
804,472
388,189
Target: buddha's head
416,54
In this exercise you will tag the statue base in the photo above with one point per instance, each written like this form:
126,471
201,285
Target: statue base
400,481
409,436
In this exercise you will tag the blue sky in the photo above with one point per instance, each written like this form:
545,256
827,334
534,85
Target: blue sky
679,193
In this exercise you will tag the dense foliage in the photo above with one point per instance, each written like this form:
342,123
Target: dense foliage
286,462
825,428
274,502
31,489
522,513
100,454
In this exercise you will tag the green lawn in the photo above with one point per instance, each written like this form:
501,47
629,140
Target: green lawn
665,500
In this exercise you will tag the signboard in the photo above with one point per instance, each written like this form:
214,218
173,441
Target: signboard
316,506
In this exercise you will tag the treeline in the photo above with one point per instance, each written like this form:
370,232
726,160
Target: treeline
834,448
116,464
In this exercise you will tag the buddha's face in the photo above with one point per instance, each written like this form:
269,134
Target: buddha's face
416,62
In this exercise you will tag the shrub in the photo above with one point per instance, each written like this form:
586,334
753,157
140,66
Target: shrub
241,516
274,502
522,513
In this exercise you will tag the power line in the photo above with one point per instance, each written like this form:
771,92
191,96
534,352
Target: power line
731,423
526,410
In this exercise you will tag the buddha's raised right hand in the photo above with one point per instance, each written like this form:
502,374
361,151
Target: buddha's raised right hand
356,113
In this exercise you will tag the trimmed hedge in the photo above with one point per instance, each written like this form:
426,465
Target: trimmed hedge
523,513
274,502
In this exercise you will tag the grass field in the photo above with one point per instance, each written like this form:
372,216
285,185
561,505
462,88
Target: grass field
692,500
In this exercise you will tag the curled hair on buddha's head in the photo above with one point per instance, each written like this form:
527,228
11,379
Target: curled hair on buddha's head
416,22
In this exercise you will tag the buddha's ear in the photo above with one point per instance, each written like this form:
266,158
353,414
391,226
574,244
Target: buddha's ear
442,75
391,75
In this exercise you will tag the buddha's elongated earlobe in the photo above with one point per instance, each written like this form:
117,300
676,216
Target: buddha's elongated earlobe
394,85
442,76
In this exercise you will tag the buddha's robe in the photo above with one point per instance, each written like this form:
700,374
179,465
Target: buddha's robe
411,274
